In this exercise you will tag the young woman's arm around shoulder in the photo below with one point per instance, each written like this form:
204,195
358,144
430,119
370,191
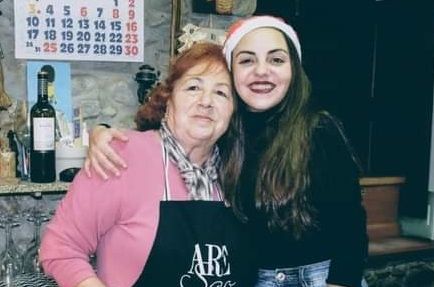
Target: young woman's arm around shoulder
102,158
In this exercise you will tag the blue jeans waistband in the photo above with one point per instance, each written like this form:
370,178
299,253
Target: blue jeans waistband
312,275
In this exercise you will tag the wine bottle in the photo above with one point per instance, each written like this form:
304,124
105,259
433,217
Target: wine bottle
42,132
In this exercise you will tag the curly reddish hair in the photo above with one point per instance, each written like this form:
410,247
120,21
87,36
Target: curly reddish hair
150,113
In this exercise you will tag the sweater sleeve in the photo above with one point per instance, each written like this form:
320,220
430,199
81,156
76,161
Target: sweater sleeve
87,211
341,206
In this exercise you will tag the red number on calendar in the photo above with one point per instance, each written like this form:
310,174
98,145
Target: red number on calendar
131,14
131,39
49,47
83,12
115,13
131,50
132,26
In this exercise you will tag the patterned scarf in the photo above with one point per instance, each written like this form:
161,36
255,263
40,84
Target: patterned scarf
199,181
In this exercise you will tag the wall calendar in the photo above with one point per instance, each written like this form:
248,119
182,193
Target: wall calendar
103,30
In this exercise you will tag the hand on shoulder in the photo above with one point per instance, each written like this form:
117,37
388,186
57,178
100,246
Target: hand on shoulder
101,157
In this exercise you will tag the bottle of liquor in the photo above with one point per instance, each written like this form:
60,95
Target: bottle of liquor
42,131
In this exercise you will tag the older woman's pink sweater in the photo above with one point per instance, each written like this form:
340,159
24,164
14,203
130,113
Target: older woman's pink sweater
116,219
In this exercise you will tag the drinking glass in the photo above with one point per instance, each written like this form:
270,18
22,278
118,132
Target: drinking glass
9,276
31,255
10,258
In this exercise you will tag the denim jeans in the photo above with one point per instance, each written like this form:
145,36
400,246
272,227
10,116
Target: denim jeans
312,275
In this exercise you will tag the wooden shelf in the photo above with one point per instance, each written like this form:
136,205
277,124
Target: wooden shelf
385,250
387,180
398,245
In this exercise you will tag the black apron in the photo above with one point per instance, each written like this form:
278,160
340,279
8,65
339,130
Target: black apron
198,244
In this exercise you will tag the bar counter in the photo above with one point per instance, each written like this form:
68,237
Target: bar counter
27,187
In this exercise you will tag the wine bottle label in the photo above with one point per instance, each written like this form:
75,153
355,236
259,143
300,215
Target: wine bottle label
43,134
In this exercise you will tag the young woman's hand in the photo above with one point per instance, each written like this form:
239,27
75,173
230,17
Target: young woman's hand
101,157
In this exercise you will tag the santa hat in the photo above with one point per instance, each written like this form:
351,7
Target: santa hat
241,27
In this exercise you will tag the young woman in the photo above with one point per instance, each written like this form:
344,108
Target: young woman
163,223
298,188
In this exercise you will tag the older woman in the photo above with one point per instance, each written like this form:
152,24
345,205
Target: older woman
163,222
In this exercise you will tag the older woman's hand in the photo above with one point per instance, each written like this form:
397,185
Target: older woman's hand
101,157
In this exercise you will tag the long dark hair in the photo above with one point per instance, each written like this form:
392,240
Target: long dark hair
283,177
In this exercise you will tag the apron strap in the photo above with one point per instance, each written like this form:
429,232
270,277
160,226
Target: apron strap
166,194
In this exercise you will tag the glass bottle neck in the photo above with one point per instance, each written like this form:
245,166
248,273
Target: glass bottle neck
42,90
42,98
